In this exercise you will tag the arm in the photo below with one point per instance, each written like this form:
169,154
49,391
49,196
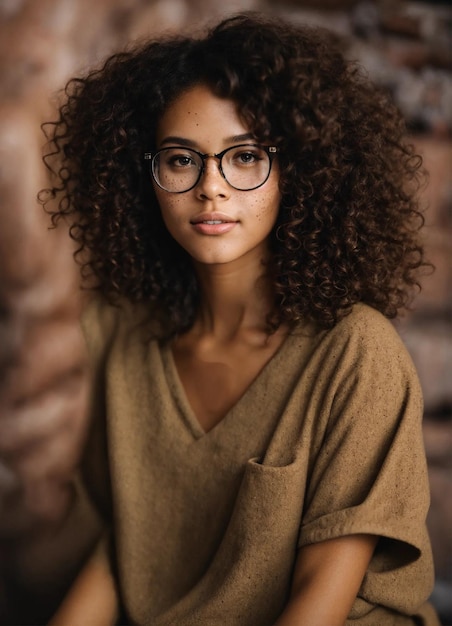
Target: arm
92,599
326,580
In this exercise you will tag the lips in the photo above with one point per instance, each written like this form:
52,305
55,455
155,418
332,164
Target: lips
213,223
212,218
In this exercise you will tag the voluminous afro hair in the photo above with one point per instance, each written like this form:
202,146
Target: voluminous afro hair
348,225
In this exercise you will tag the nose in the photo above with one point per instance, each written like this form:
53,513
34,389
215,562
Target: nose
212,183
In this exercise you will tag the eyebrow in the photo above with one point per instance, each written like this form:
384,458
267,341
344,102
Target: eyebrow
183,141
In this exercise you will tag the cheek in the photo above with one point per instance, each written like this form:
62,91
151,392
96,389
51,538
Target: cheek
266,208
172,212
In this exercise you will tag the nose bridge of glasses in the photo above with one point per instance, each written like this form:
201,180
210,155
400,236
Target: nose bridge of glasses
216,159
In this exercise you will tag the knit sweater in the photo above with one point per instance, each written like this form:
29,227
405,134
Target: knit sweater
325,442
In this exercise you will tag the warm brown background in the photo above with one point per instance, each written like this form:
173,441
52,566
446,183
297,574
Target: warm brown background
404,45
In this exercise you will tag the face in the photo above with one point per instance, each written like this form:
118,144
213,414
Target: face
213,222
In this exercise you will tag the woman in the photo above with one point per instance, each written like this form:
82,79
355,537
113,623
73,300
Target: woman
244,202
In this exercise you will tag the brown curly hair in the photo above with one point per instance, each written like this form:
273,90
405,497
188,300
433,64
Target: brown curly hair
348,225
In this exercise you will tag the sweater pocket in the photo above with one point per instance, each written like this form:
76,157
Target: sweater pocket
266,518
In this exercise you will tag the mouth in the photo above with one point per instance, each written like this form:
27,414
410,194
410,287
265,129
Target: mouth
213,224
213,219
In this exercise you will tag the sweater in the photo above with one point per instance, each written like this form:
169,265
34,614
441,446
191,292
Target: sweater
325,442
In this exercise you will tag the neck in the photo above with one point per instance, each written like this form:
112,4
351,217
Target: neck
232,300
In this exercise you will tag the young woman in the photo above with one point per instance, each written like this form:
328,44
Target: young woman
245,203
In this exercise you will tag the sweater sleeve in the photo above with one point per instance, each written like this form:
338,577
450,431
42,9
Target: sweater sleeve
369,474
100,324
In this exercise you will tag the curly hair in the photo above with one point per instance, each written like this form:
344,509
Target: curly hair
348,224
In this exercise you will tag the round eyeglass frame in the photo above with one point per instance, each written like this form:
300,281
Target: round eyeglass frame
270,150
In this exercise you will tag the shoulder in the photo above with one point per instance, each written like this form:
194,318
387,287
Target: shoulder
370,337
363,344
103,322
368,324
99,321
364,354
374,366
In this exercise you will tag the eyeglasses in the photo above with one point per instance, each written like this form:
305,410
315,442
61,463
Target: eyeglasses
244,167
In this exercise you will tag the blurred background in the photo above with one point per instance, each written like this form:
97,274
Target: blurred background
405,46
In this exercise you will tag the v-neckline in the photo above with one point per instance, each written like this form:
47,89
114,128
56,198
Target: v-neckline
181,399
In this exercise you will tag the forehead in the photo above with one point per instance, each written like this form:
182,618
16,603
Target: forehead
201,117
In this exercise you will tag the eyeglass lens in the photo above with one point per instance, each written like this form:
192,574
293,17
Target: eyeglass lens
179,169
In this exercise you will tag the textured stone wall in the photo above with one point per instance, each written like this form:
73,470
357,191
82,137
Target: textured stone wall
405,46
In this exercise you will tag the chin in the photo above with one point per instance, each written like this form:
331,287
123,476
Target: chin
212,259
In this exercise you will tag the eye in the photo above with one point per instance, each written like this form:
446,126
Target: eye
246,157
181,160
177,159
